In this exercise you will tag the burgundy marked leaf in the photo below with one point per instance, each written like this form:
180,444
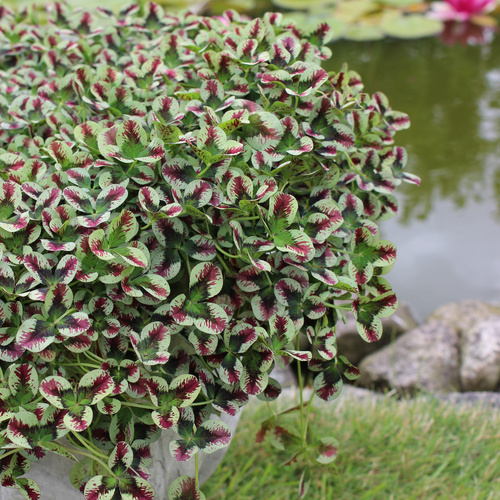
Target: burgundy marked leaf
367,312
35,335
241,337
184,488
182,450
166,418
152,345
122,229
73,324
325,342
205,281
253,382
110,198
328,384
295,242
251,279
239,187
319,227
149,200
204,343
79,199
200,248
282,331
133,256
98,245
326,450
66,269
156,286
282,210
212,435
271,392
94,386
55,390
58,300
265,304
208,317
231,369
169,232
184,390
39,267
28,488
263,131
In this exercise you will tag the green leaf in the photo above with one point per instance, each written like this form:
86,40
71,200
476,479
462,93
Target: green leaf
122,229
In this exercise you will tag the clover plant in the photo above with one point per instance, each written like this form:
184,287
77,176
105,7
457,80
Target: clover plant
185,202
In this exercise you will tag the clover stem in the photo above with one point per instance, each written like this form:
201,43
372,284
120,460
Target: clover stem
95,357
254,217
137,405
303,427
11,452
271,410
87,444
95,459
224,265
196,478
81,364
69,311
200,403
225,253
335,306
308,413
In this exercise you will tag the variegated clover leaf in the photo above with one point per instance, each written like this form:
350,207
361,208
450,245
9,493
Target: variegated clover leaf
185,202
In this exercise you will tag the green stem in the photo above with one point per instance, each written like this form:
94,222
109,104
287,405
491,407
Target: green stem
224,265
93,356
137,405
303,427
94,459
201,403
196,478
254,217
308,413
81,364
87,444
225,253
11,452
335,306
69,311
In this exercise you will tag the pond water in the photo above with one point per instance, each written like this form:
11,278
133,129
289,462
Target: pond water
448,230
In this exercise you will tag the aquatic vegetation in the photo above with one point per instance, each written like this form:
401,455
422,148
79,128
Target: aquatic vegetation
461,10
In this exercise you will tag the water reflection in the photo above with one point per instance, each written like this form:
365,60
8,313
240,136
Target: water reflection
452,95
448,230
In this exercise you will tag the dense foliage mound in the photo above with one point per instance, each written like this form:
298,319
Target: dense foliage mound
180,197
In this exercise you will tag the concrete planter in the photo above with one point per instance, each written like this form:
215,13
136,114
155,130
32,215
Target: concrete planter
52,472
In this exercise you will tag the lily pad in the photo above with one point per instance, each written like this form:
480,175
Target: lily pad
412,26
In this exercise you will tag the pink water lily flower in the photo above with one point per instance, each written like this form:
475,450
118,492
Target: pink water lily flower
461,10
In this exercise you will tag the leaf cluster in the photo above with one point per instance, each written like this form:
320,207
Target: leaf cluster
181,197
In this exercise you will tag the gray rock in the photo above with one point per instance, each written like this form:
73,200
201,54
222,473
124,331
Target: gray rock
480,352
464,315
426,358
354,348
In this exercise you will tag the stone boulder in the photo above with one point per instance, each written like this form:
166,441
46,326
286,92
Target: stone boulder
424,358
480,348
456,349
354,348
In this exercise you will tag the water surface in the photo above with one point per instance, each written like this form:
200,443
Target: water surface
448,230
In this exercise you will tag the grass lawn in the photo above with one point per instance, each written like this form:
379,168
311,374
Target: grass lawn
389,449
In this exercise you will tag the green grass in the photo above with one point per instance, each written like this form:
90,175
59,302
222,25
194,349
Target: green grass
409,449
